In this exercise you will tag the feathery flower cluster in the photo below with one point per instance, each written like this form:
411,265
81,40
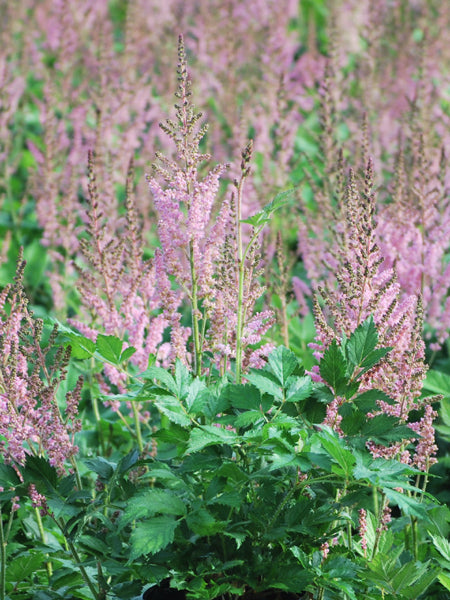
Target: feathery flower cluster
363,288
363,529
31,421
117,286
199,245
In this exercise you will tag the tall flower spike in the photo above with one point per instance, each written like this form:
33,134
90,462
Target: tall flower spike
363,287
185,208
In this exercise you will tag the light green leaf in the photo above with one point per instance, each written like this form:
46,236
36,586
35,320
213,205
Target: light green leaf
407,504
437,382
151,536
299,389
208,435
23,566
264,381
163,376
202,522
127,353
109,347
444,579
361,342
284,363
172,408
443,546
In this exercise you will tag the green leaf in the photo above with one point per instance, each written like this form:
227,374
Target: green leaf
284,363
104,468
244,396
334,447
437,382
263,217
174,411
443,546
407,504
372,359
152,502
444,579
333,368
109,347
151,536
127,353
208,435
81,347
23,566
266,383
361,342
182,378
195,398
202,522
161,375
249,417
299,389
367,401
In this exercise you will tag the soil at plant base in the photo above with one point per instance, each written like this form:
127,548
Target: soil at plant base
163,592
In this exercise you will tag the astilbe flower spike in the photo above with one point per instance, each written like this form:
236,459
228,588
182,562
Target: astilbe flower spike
31,421
362,287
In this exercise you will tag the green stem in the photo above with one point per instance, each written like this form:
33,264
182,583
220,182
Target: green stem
43,538
414,537
137,426
2,559
241,274
195,318
83,572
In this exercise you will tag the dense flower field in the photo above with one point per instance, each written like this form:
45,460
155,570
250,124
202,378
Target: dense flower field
224,299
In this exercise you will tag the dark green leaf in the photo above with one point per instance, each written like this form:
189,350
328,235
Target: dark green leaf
202,522
151,536
244,397
333,368
152,502
23,566
104,468
361,342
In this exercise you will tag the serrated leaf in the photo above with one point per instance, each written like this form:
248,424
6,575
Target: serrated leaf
283,362
152,502
127,353
182,378
244,396
195,390
333,446
443,546
151,536
407,504
249,417
361,342
81,347
333,368
367,401
444,579
299,389
266,383
372,359
23,566
173,410
437,382
202,522
161,375
109,347
104,468
208,435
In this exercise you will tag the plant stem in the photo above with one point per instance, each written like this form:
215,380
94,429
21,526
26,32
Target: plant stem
83,572
43,538
2,559
195,317
241,274
137,426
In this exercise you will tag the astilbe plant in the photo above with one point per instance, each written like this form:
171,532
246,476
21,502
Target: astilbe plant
202,247
32,421
363,288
